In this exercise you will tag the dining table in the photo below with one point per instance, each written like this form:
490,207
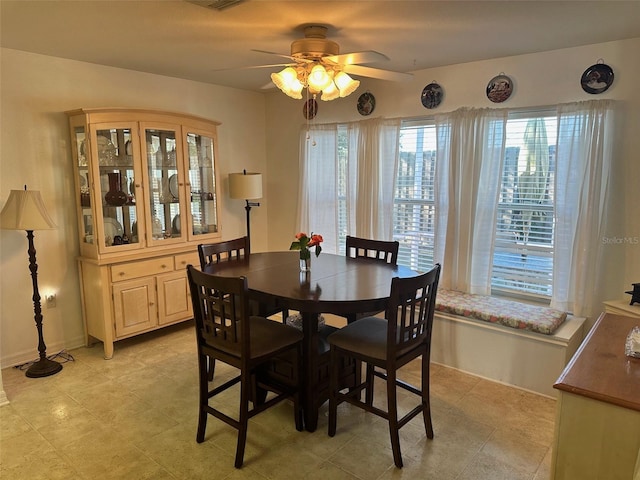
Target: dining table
335,284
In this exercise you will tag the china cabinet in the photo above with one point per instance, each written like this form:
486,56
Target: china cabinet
146,189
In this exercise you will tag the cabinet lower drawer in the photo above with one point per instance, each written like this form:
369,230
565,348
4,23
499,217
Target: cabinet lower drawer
143,268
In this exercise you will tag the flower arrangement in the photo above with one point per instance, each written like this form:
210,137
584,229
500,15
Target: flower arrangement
304,243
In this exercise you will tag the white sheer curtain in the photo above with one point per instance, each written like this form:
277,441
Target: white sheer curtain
470,152
583,164
372,181
373,149
318,193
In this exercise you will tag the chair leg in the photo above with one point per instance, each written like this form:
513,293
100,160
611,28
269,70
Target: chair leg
297,403
203,399
245,397
211,368
369,388
426,397
392,403
334,370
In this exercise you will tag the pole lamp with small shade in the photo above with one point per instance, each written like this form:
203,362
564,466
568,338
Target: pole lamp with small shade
25,210
246,186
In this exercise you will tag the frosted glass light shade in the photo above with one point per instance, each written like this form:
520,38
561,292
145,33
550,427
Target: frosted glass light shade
330,93
319,79
246,186
287,81
345,84
25,210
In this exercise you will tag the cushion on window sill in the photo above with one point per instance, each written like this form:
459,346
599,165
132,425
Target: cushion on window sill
505,312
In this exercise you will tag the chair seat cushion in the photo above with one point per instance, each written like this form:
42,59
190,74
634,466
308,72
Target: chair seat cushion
367,336
269,336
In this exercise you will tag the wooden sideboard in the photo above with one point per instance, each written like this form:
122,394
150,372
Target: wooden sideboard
598,412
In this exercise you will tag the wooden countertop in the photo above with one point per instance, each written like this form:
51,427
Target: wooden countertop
600,369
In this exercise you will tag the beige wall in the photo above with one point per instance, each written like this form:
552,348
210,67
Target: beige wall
258,132
34,150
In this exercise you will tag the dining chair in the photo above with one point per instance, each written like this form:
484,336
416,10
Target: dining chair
213,253
385,345
380,250
256,346
375,250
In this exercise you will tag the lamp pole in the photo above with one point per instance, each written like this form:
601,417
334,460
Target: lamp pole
43,367
248,209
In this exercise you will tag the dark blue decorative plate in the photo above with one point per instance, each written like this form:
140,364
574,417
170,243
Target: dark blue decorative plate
431,95
597,78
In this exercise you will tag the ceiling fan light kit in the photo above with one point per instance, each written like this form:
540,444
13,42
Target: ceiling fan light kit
320,68
331,81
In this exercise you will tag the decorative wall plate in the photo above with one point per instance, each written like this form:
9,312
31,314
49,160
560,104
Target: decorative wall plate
366,104
310,109
431,95
597,78
499,88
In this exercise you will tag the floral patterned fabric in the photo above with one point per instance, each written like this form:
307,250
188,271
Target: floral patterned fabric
497,310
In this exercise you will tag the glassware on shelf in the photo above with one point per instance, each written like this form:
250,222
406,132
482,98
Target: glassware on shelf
115,196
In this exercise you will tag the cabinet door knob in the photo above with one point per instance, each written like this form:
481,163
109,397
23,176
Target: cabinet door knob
163,266
121,274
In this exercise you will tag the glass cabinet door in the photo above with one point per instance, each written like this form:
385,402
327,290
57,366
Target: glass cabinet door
84,177
114,149
202,181
164,179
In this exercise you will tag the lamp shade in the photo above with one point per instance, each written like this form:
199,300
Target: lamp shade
245,185
25,210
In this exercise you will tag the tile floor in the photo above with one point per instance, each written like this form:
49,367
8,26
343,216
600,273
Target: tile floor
135,416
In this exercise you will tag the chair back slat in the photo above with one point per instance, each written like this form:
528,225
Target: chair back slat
410,311
220,309
383,251
212,253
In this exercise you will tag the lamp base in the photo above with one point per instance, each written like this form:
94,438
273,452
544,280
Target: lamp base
43,368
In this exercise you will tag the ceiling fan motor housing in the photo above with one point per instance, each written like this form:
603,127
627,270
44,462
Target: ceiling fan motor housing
315,44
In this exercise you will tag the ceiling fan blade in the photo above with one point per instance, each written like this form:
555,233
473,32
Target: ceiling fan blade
273,53
252,67
367,56
377,73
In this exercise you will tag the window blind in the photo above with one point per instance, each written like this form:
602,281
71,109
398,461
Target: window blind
523,255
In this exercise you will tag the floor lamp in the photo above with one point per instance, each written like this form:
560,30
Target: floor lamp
246,186
25,210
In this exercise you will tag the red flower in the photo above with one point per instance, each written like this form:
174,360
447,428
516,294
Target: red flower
303,244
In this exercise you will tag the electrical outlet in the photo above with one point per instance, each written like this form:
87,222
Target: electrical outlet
51,301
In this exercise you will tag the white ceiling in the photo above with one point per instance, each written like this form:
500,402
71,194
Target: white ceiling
182,39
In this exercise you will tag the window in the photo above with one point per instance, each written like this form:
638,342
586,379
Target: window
523,254
414,208
525,247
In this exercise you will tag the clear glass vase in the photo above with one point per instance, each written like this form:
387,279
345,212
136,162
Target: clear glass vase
305,261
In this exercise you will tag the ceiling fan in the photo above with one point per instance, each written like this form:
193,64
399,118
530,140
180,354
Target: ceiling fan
316,64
